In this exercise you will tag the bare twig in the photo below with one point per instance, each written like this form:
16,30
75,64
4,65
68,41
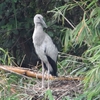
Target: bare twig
22,60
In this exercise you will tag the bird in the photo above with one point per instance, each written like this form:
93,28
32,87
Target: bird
44,47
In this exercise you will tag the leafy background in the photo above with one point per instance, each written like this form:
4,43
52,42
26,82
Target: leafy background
74,26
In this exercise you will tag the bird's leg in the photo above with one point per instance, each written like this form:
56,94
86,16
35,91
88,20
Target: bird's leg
48,75
42,75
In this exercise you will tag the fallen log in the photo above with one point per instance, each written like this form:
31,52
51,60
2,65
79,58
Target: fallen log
29,73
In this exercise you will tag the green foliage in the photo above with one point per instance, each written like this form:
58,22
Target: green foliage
12,97
5,57
16,21
15,87
49,95
92,80
87,30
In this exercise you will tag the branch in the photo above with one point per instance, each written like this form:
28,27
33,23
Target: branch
27,72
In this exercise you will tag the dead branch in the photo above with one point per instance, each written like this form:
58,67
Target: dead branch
27,72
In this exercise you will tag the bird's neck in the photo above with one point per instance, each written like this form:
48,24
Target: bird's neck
39,34
38,26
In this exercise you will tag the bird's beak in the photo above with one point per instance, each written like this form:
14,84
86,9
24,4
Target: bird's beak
43,23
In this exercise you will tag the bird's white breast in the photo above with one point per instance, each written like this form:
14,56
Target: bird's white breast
38,36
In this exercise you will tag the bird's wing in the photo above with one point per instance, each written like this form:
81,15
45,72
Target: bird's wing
51,53
50,48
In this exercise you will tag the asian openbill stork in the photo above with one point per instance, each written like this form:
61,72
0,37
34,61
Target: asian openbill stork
45,48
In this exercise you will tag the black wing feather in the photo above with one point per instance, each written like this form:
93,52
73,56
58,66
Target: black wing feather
53,65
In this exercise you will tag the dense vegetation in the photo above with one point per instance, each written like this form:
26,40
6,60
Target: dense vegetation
74,26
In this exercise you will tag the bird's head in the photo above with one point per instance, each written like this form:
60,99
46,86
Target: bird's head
38,18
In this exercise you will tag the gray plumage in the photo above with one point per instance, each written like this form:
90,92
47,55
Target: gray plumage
44,47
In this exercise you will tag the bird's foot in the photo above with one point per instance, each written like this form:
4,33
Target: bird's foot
48,88
42,87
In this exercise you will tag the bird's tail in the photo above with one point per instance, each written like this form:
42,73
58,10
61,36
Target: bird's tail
53,64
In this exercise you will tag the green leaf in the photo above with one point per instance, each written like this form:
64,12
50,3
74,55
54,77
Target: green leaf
49,94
